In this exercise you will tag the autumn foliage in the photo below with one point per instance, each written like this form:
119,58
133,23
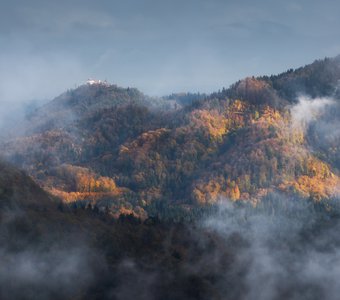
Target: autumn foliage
125,151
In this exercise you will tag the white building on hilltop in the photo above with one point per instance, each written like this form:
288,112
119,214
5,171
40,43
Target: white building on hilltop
91,81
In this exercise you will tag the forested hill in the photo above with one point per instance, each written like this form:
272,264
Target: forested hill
77,103
128,153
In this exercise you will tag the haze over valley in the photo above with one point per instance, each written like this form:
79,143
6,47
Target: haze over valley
169,150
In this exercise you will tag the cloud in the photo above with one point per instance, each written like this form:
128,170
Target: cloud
308,110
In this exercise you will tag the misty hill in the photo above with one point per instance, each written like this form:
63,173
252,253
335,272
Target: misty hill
131,153
81,101
119,193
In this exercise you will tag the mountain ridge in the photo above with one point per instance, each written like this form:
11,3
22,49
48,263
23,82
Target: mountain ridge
236,143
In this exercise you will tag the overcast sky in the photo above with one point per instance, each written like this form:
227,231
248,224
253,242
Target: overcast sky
155,45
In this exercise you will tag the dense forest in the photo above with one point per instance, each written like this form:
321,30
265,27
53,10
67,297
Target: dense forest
125,152
106,193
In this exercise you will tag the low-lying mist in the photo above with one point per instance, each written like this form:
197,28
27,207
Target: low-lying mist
283,248
290,250
308,110
41,263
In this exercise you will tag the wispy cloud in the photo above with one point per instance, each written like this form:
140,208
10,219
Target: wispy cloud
307,110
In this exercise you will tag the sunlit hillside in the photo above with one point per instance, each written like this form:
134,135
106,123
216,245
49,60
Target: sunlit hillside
128,153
